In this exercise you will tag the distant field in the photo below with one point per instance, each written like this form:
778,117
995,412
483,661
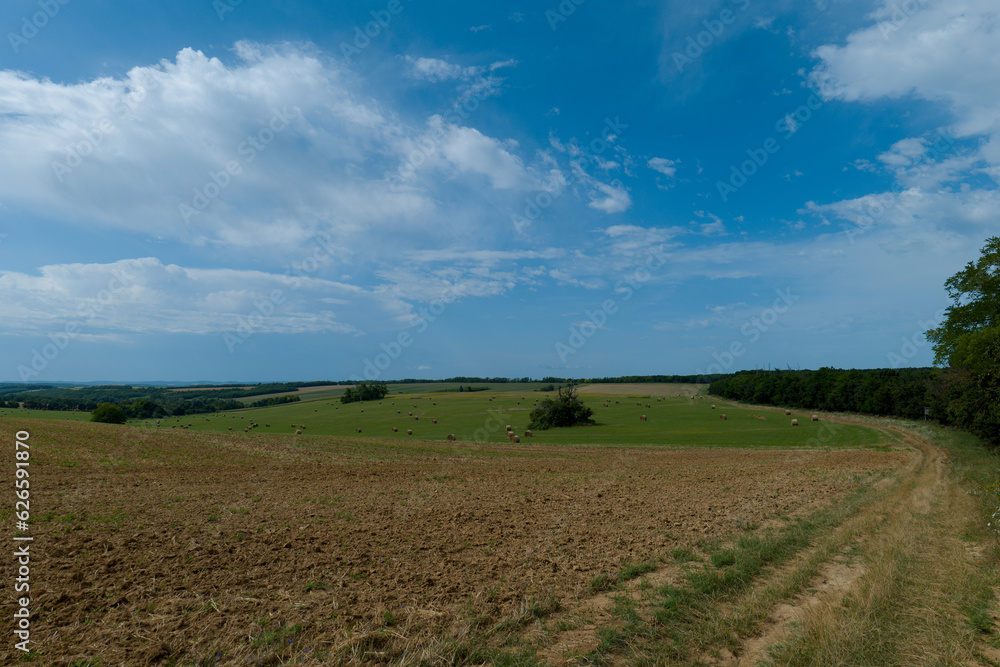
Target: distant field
45,414
481,417
651,389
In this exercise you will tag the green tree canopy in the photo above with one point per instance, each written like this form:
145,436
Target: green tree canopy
108,413
565,409
969,342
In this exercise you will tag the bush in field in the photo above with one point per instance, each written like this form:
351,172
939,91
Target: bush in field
366,391
108,413
565,409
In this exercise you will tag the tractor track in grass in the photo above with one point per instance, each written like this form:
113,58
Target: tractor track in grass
916,517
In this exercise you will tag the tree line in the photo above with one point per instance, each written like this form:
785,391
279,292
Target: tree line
964,392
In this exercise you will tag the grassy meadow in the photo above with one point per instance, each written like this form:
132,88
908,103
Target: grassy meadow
482,417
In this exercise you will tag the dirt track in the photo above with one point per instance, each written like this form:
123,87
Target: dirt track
255,557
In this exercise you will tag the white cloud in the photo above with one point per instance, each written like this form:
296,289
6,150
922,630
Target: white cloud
664,166
944,51
307,153
148,297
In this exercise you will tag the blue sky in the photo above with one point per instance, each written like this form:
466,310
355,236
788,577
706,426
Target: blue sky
249,191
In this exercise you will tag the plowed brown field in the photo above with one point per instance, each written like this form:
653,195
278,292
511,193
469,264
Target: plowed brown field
192,548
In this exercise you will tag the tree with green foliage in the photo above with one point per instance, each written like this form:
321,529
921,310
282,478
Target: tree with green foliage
108,413
565,409
969,343
365,391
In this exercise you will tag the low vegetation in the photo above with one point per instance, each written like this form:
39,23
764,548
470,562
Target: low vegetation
563,409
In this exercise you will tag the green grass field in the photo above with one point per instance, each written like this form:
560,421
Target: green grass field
473,417
44,414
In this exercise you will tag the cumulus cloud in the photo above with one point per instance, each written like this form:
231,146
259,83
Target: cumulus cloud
946,53
942,51
266,151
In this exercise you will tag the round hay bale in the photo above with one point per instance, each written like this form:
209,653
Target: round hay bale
815,418
722,417
298,432
788,412
451,436
795,422
517,439
528,434
357,430
409,431
394,429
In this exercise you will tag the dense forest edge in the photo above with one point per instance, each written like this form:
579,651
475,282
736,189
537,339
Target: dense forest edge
964,393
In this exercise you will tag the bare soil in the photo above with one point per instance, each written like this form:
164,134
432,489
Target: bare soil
154,548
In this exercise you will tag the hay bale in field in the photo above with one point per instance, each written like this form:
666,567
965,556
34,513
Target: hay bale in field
642,418
394,429
230,428
517,440
722,417
409,414
788,412
795,422
298,432
528,434
434,421
451,436
647,405
815,418
509,429
357,430
409,431
713,406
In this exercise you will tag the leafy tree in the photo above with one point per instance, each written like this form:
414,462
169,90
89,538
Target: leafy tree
143,408
365,391
969,342
565,409
108,413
